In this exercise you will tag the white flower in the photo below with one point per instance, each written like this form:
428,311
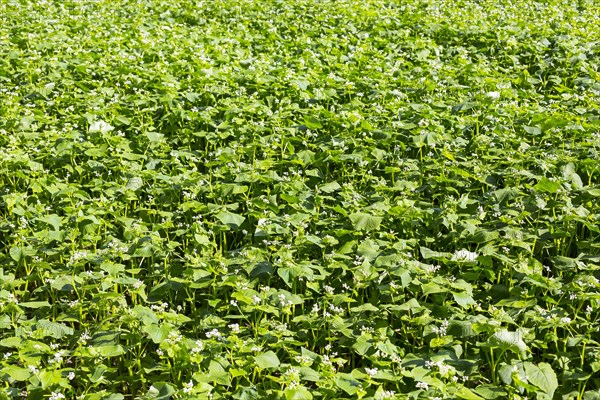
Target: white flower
198,348
565,320
432,268
493,95
58,357
188,387
56,396
422,385
371,371
386,394
235,328
85,336
71,376
464,256
441,331
174,337
214,333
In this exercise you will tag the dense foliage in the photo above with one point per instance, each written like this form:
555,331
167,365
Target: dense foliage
303,199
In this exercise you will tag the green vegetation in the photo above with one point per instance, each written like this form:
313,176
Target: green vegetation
308,199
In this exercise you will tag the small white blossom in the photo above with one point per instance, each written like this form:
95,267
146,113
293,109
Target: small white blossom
386,394
187,387
464,256
199,347
213,333
85,336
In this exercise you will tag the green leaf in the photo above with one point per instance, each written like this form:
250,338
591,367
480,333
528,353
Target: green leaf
5,323
35,304
309,374
157,333
330,187
347,383
267,360
160,391
218,374
547,185
483,236
364,308
108,350
362,344
297,393
542,376
113,396
154,137
427,253
53,329
505,194
464,299
50,378
533,130
233,221
52,220
432,288
507,340
467,394
98,373
16,253
312,123
461,329
16,373
411,305
365,222
302,83
134,183
490,392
